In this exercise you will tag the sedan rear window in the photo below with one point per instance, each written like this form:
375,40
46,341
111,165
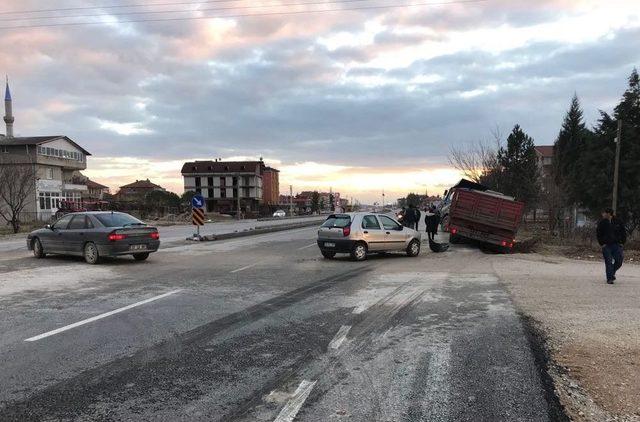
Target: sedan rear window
337,221
117,219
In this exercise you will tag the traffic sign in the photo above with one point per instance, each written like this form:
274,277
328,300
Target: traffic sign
197,216
197,201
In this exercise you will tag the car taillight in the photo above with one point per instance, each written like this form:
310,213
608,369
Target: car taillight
504,243
114,237
346,231
155,235
454,231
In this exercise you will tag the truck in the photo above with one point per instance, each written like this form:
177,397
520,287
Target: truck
473,211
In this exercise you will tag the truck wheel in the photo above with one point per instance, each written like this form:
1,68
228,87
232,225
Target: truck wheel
328,254
359,252
414,248
454,239
141,256
38,250
90,254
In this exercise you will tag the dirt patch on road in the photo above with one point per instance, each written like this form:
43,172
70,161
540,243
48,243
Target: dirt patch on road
592,330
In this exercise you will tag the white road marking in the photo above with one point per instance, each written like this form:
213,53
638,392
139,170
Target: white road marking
308,246
360,309
340,336
291,409
243,268
97,317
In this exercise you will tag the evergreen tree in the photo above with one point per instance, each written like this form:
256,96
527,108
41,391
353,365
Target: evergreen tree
599,159
519,173
568,148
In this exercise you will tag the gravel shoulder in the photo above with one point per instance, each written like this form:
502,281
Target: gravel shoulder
592,329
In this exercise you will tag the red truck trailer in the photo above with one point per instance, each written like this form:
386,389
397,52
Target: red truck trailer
485,216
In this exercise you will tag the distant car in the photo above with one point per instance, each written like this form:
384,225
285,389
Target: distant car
94,235
280,214
364,232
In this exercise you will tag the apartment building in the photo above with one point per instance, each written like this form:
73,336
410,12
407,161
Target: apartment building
229,186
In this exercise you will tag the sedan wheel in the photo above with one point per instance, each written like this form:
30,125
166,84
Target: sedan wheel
414,248
38,251
140,256
91,253
359,252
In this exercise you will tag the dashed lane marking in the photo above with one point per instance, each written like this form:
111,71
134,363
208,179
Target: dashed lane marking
308,246
293,406
97,317
243,268
340,336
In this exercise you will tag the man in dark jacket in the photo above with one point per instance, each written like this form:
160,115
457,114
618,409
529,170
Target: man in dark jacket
409,219
611,236
417,217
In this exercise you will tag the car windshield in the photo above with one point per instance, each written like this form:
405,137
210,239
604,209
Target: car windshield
337,221
118,219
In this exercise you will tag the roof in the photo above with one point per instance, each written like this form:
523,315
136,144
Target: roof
95,185
141,184
221,166
38,140
545,150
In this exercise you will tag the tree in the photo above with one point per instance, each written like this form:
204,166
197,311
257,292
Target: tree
568,149
17,189
476,160
412,199
519,175
185,198
598,160
315,201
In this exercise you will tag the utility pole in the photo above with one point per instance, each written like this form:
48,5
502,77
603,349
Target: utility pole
383,199
290,200
616,170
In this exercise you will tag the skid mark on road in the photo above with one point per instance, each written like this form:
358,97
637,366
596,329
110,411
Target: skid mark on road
237,270
293,406
308,246
61,277
101,316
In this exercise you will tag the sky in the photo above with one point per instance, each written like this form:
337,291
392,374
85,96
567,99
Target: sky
359,101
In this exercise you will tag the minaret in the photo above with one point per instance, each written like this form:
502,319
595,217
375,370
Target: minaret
8,111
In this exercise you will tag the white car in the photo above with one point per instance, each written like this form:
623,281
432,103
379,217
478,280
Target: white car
280,214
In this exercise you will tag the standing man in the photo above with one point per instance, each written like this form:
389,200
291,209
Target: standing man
611,236
417,217
409,217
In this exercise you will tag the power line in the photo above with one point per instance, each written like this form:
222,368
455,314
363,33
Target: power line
235,16
115,6
151,12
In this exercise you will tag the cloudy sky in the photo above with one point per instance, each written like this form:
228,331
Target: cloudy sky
357,100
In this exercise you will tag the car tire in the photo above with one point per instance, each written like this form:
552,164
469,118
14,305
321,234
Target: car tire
328,254
359,251
90,253
141,256
38,250
414,248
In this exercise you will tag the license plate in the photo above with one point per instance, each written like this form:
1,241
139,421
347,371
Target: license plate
137,247
329,245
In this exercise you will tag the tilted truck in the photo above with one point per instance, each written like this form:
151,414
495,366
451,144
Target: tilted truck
472,211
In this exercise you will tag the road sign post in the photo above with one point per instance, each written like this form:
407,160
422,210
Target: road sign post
197,213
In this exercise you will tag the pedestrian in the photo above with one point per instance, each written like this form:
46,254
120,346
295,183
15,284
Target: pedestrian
409,217
611,235
432,220
417,217
402,215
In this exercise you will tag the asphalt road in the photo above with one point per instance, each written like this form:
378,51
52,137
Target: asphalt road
262,328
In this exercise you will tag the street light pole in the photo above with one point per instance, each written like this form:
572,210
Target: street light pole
616,170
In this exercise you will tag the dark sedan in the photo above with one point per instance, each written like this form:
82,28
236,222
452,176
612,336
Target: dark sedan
93,235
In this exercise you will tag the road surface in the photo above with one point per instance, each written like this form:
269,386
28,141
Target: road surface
262,328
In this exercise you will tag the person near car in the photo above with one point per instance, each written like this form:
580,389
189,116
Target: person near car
611,235
407,219
418,215
432,220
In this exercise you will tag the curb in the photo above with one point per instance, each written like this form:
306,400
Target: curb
253,232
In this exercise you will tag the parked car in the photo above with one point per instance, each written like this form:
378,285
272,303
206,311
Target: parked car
94,235
280,214
361,233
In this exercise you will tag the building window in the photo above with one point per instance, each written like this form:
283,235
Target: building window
48,172
198,182
209,193
199,191
223,182
223,193
209,181
5,150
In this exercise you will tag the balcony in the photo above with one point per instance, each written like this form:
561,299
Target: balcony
74,186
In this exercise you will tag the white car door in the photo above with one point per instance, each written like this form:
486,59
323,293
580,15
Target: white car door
395,234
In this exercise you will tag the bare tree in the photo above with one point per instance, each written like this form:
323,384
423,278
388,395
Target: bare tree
17,189
476,160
